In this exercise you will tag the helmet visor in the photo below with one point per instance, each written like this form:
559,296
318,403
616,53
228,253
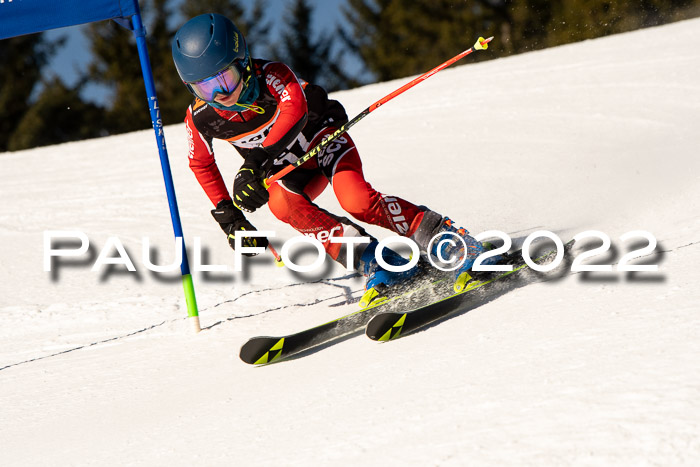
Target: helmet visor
224,82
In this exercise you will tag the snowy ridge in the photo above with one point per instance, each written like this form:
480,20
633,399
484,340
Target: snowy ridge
100,368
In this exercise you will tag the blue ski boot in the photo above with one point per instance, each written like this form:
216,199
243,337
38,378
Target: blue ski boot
380,280
450,247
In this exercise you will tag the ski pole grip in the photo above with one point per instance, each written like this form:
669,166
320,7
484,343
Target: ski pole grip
269,181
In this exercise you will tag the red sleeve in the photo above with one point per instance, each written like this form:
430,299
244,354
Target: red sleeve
202,163
291,102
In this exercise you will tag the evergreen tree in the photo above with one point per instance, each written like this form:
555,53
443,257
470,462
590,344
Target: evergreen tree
576,20
116,65
528,23
310,59
173,96
396,38
58,115
655,12
22,60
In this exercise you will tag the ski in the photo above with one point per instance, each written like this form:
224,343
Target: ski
389,325
262,350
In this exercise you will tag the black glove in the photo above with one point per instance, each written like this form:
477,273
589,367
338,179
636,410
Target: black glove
233,222
249,192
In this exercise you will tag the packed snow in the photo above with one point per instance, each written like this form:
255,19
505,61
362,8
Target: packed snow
102,367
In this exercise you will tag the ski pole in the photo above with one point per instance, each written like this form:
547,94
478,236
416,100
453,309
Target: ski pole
480,44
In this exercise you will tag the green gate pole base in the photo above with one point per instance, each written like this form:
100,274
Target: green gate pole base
192,312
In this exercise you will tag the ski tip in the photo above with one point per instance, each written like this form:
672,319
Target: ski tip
385,326
262,350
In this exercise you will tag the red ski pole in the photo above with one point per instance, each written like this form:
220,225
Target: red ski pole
481,44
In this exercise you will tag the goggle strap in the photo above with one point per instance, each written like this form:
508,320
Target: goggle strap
254,108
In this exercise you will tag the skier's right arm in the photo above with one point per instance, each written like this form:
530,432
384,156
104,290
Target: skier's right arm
203,164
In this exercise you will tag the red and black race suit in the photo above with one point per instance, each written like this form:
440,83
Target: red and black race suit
285,118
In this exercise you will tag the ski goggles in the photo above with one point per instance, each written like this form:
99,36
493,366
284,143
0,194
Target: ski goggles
224,82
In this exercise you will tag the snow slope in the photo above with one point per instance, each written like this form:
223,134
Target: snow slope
100,368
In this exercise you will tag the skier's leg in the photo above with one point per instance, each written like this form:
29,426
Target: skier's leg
363,202
343,167
292,204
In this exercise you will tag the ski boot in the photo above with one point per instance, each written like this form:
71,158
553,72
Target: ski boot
452,248
379,280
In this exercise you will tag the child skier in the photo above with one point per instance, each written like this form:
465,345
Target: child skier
272,118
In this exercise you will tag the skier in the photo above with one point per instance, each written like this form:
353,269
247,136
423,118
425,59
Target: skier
272,117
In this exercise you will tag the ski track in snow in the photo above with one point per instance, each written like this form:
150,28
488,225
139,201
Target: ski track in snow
101,368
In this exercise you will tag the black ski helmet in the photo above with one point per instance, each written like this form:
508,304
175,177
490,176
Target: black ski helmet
207,44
